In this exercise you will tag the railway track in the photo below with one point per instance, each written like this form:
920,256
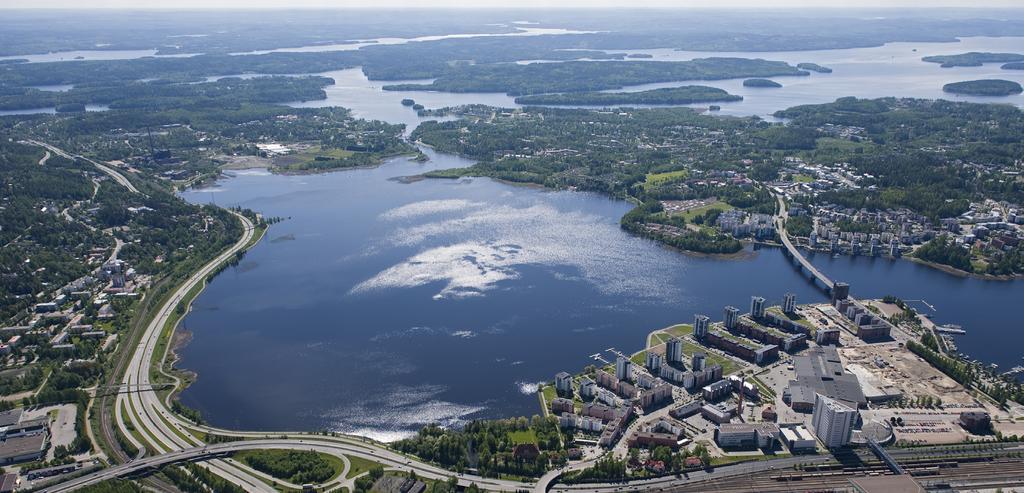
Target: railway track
941,474
106,419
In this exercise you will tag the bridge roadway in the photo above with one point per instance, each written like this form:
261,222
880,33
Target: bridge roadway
780,225
310,443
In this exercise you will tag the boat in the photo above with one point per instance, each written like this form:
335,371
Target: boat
950,329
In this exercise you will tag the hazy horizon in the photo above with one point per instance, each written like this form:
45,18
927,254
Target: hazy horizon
505,4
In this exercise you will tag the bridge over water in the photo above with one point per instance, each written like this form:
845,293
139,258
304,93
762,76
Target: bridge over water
795,254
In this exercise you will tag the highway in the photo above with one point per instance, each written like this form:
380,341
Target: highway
157,425
118,177
312,443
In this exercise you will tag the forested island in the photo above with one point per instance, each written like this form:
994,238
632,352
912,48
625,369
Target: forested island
761,83
1013,66
667,96
973,59
539,78
158,95
814,67
984,87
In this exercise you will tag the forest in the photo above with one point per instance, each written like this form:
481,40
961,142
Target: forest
669,95
973,59
157,95
984,87
493,443
539,78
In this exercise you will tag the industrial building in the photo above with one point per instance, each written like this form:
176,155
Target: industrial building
977,422
687,410
718,413
799,439
747,435
820,371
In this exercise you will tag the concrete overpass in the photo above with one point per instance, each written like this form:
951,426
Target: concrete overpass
147,465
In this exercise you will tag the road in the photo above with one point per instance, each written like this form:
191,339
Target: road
144,408
312,443
117,176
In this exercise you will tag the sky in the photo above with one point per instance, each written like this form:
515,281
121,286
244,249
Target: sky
228,4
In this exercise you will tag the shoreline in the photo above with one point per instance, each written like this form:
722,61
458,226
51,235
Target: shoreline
941,267
964,274
179,338
285,172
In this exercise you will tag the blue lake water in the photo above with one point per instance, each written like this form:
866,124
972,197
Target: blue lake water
380,306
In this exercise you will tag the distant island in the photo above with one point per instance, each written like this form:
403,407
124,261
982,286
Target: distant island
973,59
70,108
576,76
1013,66
814,67
408,102
669,95
984,87
760,83
639,55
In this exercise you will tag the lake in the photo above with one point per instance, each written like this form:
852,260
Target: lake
380,306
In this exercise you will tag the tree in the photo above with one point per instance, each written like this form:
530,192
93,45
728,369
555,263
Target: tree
662,453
